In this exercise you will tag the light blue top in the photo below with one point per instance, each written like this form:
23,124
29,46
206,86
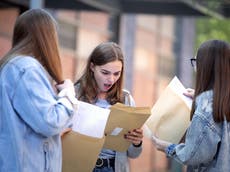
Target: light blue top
31,118
207,143
105,153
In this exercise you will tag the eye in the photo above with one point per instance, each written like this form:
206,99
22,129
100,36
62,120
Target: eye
117,73
104,72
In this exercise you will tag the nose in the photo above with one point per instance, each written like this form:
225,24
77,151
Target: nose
111,79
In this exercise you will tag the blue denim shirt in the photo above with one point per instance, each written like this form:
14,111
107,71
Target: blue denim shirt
207,143
31,118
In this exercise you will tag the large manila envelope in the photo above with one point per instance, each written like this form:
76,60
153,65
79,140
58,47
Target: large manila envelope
121,120
83,144
80,152
170,115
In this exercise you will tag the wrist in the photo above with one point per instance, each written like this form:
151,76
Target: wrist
138,145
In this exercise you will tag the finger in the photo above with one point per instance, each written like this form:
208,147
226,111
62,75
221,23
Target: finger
133,138
135,134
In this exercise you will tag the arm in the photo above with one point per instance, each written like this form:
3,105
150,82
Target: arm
195,150
36,103
201,144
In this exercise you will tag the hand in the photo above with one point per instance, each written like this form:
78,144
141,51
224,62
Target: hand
67,90
161,145
189,93
65,131
66,84
135,136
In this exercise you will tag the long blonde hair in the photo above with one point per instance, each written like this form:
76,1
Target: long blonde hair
35,34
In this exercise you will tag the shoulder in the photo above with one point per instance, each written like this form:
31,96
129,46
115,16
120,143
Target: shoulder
77,87
204,108
25,61
206,94
128,98
22,62
204,101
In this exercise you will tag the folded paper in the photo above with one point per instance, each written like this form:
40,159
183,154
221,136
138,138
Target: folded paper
122,119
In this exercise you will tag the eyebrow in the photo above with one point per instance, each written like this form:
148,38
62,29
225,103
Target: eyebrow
104,70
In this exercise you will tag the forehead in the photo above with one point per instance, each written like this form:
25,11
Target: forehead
113,66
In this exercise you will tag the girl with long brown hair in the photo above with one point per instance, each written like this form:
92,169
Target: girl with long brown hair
207,140
102,84
32,114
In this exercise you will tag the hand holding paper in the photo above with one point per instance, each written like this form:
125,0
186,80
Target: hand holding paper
135,136
123,119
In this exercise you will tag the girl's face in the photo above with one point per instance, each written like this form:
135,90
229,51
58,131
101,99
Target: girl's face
106,75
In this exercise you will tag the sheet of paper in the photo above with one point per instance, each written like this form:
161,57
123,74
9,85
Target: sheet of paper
90,120
179,89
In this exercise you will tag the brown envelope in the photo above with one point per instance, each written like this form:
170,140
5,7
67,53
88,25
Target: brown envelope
124,118
170,117
80,152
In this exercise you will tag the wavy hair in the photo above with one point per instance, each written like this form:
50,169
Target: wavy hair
101,55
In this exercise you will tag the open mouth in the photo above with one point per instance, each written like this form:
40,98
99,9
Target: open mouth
107,86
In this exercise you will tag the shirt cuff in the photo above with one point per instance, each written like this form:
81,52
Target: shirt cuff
139,145
170,150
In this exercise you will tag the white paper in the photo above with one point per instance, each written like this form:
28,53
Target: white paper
116,131
90,120
179,89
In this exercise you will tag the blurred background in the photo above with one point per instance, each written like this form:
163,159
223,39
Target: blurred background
158,37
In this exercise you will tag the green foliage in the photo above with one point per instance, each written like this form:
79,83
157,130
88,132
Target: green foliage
210,28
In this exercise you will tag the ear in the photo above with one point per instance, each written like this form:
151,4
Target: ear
92,66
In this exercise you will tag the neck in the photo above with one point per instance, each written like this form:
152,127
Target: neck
102,95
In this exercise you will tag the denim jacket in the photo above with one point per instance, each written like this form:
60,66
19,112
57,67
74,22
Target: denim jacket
31,118
207,143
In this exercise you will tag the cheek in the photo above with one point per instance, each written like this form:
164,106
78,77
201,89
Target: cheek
117,78
99,78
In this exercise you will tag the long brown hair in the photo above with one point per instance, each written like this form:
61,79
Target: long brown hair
213,73
35,34
101,55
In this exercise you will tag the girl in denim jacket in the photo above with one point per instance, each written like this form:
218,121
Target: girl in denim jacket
32,115
101,84
207,141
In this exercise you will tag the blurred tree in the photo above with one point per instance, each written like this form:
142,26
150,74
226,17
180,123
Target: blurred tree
210,28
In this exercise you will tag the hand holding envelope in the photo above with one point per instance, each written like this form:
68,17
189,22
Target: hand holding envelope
90,125
123,119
